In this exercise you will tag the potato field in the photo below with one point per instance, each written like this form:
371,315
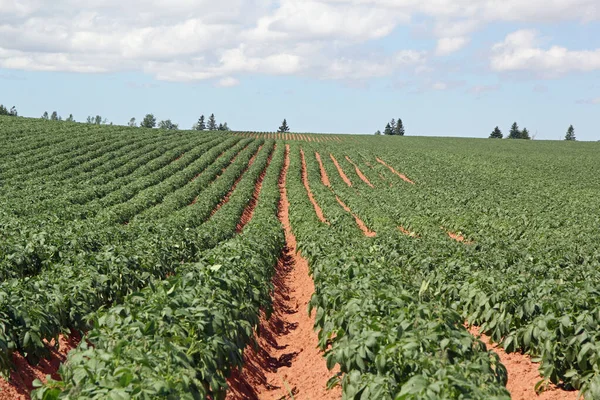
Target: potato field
149,264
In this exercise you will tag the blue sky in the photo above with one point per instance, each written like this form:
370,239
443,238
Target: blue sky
446,67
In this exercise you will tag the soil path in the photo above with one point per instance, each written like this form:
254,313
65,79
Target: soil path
402,176
285,362
340,171
324,177
363,227
359,173
249,210
20,384
523,375
407,232
318,209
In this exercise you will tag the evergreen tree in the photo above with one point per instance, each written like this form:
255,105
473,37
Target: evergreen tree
200,126
515,133
393,126
399,128
225,127
220,127
54,116
212,123
284,127
378,133
70,119
45,115
388,130
496,134
3,110
525,134
132,123
570,133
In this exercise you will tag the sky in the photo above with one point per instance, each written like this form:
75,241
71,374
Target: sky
445,67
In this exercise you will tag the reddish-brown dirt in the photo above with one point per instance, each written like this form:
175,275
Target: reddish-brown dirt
249,210
225,199
285,361
340,171
407,232
402,176
458,237
359,173
20,384
318,209
363,227
523,374
324,177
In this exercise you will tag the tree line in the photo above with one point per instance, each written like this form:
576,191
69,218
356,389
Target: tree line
393,128
11,113
516,133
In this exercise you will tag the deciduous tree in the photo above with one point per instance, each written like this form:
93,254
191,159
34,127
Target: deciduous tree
149,121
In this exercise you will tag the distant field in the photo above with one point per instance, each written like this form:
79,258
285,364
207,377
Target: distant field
169,250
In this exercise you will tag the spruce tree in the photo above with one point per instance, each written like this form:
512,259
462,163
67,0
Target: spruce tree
388,130
525,134
3,110
393,126
570,133
45,115
201,125
515,133
54,116
399,128
284,127
496,134
212,123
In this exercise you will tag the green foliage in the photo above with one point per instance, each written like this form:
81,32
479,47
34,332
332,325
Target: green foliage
149,121
167,125
212,123
570,133
515,132
496,133
201,125
284,127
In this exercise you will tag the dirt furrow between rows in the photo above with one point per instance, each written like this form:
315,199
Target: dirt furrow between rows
285,361
249,210
324,177
20,383
523,374
359,173
363,227
340,171
318,209
402,176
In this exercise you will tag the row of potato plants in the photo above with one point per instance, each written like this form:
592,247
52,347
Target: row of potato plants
63,294
182,336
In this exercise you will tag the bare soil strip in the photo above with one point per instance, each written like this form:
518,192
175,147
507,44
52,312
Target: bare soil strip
523,374
249,210
359,173
318,209
407,232
324,177
20,384
402,176
363,227
340,171
228,195
458,237
285,361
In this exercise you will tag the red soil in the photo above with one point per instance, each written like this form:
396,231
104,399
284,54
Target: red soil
318,209
402,176
178,158
523,374
359,173
225,199
458,237
324,177
20,384
249,210
285,361
407,232
340,171
363,227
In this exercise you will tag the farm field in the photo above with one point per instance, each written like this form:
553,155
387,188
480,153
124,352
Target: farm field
183,264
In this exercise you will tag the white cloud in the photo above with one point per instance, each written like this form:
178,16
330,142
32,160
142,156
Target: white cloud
592,101
480,89
450,45
521,51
